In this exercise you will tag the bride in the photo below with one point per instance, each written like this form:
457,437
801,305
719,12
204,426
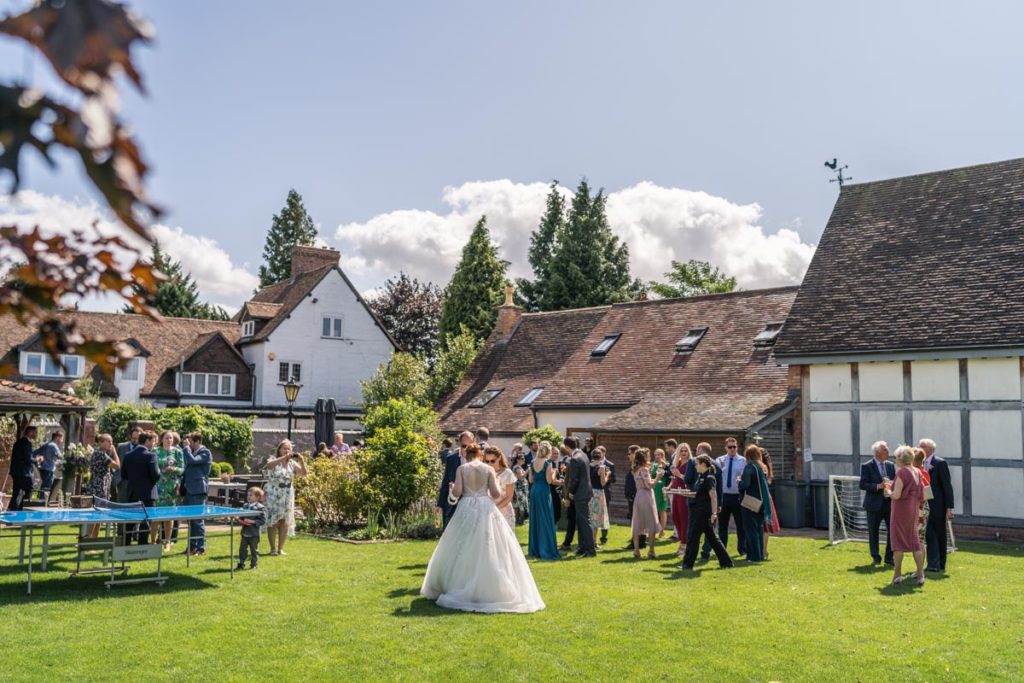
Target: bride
478,565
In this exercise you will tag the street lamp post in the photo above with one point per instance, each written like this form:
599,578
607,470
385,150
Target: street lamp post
291,392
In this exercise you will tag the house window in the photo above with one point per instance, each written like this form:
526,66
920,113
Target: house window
606,344
41,365
331,327
288,370
688,343
530,396
206,384
768,335
248,328
130,372
484,397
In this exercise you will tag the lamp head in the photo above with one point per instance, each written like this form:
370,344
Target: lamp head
291,391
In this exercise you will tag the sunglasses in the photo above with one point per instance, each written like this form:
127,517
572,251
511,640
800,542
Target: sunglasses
730,447
490,461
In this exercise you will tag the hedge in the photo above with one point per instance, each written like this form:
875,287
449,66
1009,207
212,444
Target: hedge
230,436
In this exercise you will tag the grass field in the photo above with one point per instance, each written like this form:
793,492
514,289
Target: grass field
333,611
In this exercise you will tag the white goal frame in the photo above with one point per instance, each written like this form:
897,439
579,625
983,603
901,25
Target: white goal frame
838,532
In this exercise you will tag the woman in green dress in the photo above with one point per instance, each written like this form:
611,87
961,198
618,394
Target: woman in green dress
658,469
171,462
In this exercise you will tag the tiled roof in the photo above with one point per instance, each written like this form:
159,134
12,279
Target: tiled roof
929,261
539,347
725,384
166,341
286,296
20,394
261,310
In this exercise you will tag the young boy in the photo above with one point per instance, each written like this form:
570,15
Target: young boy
251,528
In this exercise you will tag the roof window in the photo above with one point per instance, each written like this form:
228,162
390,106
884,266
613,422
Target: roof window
688,343
606,344
768,335
484,397
530,396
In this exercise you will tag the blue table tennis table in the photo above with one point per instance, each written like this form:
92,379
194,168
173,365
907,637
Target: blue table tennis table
117,519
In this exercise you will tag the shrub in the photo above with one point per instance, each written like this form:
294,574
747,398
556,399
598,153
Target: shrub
403,377
214,470
545,433
332,493
226,468
402,414
452,363
399,467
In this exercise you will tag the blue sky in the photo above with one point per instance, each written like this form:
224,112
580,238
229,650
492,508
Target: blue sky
371,110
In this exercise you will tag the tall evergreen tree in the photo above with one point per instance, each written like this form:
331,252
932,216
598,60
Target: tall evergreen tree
291,227
476,290
178,295
542,250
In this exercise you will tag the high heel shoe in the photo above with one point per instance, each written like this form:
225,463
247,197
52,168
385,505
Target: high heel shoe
897,581
636,554
920,580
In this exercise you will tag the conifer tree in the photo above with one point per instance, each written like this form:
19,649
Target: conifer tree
178,295
476,289
543,241
293,226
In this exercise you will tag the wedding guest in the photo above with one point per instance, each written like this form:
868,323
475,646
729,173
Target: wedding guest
906,498
250,534
731,465
876,477
118,491
322,451
452,463
658,471
703,512
521,501
579,494
940,507
588,446
195,483
532,453
754,484
569,446
645,512
50,460
669,447
171,462
446,450
771,523
22,463
610,466
483,435
542,542
506,482
102,464
141,474
339,447
680,504
629,488
282,470
598,483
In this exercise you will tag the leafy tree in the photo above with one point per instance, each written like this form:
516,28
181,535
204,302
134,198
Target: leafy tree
403,377
546,433
543,241
291,227
453,363
86,390
410,311
86,42
476,289
177,296
692,279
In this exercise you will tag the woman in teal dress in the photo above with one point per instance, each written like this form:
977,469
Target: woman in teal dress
542,543
658,470
171,463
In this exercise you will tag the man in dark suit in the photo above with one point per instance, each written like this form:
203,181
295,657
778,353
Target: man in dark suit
579,492
876,476
119,491
22,462
940,507
140,473
452,463
195,481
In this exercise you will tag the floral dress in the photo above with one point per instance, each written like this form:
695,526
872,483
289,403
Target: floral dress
167,487
99,475
521,499
280,501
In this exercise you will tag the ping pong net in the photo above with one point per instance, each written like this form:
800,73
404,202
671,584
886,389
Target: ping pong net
130,511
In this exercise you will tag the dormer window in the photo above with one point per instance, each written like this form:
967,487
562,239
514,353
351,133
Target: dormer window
606,344
530,396
768,335
42,365
484,397
248,328
688,343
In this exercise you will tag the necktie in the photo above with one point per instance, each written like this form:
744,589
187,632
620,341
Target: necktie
728,477
881,469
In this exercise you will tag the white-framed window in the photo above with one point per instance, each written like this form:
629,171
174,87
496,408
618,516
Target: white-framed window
206,384
331,326
248,328
41,365
530,396
130,372
289,370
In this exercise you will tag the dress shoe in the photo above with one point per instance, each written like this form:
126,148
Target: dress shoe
934,570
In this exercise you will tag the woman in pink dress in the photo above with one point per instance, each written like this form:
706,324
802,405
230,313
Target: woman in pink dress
907,496
645,511
680,508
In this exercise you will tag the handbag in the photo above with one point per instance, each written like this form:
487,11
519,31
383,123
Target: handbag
751,503
928,495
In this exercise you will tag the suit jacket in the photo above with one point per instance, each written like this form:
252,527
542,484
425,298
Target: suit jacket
51,456
123,449
870,478
577,480
942,486
451,467
21,458
141,473
196,477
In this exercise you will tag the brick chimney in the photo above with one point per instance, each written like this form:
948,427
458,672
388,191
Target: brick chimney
306,259
509,316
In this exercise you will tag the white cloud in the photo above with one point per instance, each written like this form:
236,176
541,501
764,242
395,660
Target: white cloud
218,278
659,224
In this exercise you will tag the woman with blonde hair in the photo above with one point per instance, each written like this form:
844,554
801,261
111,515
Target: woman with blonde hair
680,506
506,482
907,497
171,462
282,471
542,537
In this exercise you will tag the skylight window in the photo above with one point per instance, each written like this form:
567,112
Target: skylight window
768,335
688,343
530,396
484,397
606,344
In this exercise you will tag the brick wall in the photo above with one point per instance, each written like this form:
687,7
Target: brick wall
219,358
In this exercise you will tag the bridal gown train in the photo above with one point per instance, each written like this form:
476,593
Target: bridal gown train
478,565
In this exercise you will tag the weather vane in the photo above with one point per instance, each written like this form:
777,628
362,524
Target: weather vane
834,165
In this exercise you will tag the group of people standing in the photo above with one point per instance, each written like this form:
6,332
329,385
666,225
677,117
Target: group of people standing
914,497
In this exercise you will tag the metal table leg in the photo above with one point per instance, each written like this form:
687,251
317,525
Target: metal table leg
30,538
231,547
46,546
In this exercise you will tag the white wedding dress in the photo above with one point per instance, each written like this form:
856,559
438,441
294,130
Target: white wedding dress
478,565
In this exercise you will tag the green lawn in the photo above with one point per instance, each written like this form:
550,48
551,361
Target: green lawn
333,611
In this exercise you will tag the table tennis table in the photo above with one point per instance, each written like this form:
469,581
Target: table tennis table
116,518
